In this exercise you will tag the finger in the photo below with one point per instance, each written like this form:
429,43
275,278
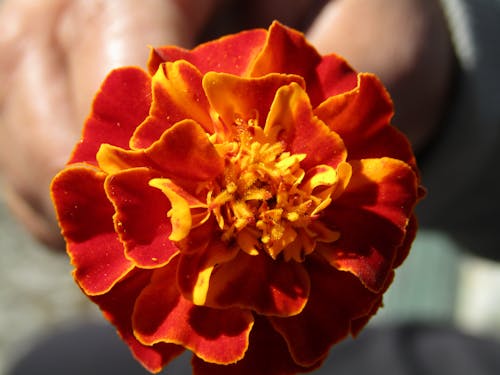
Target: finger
17,19
100,35
36,135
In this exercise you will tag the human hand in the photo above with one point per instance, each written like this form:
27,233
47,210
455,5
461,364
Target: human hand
54,55
60,50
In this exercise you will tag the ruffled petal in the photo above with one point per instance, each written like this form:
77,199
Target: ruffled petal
119,107
117,306
230,54
177,95
244,99
285,51
183,151
362,118
161,314
291,120
359,323
141,217
266,355
377,202
112,159
333,76
325,75
404,249
337,298
259,283
201,254
85,216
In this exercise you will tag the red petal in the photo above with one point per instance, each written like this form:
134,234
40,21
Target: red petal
372,216
85,216
333,76
201,236
230,54
336,299
119,107
358,324
161,314
117,306
404,249
141,217
177,95
267,355
259,283
291,119
201,252
325,75
362,118
246,98
286,51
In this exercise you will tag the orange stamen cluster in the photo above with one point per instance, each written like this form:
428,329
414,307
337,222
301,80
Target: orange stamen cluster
265,201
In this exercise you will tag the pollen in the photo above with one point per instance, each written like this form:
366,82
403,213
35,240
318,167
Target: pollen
265,201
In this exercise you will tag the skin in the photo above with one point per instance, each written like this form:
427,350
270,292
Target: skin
56,53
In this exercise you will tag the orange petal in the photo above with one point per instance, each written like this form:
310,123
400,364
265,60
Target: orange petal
336,299
141,217
230,54
119,107
112,159
291,120
235,98
117,306
259,283
161,314
285,51
377,202
85,216
362,118
184,151
267,355
177,95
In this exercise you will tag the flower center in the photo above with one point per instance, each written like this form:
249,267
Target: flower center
265,201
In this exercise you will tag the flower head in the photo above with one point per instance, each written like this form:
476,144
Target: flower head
247,200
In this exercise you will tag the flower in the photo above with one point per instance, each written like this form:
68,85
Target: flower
247,200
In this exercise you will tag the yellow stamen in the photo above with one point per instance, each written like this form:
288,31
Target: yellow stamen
264,201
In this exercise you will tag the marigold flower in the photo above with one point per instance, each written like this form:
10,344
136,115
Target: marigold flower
247,200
